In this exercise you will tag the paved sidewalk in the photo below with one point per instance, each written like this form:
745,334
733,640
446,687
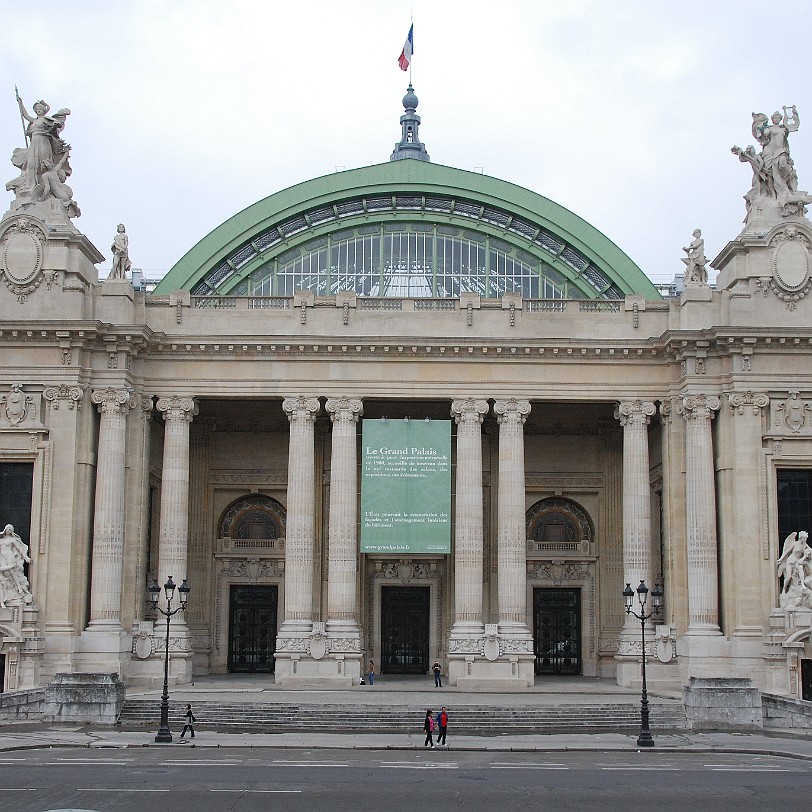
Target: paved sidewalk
36,735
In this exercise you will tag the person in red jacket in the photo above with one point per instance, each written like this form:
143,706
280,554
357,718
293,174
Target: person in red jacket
442,724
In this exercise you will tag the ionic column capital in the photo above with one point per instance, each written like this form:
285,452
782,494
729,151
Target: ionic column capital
739,401
177,407
469,410
698,407
635,411
301,408
512,410
113,401
344,409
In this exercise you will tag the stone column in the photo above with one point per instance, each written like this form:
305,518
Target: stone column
468,518
108,521
512,534
634,416
173,539
299,542
342,555
700,500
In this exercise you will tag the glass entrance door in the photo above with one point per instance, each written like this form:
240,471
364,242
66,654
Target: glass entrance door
557,631
252,629
405,629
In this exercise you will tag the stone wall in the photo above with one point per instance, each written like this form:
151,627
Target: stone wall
785,712
22,704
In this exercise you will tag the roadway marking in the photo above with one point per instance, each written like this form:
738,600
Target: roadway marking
311,763
118,789
643,769
88,763
410,765
18,789
258,790
750,770
529,767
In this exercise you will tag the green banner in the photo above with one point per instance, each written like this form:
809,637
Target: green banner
406,486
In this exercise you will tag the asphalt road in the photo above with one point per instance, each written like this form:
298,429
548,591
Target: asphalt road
184,779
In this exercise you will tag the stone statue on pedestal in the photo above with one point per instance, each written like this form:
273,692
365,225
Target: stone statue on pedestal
696,274
14,589
43,162
121,254
775,182
795,565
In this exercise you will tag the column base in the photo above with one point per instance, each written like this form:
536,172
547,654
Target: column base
328,657
103,647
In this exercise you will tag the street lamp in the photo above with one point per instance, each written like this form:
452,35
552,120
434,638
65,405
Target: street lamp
164,733
644,739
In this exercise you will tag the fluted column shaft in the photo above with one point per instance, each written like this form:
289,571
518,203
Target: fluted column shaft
342,554
299,541
173,540
468,519
108,521
512,534
634,417
700,498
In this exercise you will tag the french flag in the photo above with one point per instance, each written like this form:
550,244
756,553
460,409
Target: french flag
408,49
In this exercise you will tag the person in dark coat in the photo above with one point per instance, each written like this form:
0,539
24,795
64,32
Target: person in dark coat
190,723
428,726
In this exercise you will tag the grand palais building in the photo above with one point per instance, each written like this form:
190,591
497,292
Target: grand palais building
400,414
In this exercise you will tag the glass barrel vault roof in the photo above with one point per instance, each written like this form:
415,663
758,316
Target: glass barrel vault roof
408,229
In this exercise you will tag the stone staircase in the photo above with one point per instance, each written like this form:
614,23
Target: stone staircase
286,717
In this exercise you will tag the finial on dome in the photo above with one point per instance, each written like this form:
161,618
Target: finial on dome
409,145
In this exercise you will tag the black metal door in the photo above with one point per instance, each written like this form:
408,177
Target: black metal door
405,629
16,486
557,631
806,679
252,629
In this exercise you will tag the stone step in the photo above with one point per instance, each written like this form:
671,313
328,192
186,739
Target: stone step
275,717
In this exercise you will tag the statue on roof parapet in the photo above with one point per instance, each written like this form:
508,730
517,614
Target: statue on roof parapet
696,274
121,254
774,191
43,162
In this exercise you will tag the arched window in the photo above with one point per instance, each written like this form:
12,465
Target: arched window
253,517
559,525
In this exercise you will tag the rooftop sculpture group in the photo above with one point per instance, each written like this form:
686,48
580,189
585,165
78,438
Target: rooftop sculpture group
775,182
43,162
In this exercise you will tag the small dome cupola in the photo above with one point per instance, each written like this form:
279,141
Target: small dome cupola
410,145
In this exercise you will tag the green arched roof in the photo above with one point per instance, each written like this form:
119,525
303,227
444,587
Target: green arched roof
408,190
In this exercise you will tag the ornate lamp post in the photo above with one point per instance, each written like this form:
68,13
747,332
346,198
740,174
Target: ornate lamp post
164,733
644,739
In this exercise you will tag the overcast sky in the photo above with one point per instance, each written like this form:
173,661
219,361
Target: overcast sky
184,112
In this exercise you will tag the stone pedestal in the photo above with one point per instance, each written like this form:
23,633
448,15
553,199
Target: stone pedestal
729,704
84,697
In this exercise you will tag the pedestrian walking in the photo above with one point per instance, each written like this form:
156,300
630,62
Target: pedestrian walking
438,674
428,726
371,672
442,725
190,724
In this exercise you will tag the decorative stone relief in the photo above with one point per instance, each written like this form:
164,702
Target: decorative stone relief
72,395
793,414
790,260
738,401
23,246
405,570
18,408
795,566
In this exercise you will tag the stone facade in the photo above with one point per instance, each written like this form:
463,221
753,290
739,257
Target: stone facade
596,442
